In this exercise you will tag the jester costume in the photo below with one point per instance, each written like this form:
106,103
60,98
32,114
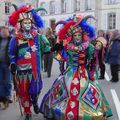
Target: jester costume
75,95
25,51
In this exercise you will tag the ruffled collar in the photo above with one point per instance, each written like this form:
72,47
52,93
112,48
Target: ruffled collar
25,36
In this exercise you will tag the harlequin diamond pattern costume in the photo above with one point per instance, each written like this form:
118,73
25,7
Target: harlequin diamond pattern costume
75,96
25,50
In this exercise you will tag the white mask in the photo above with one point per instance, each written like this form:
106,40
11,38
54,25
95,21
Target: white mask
77,38
26,24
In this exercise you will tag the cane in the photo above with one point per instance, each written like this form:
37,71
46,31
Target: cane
17,92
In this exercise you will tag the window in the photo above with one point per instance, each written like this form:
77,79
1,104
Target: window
77,5
7,7
88,5
111,21
63,6
43,6
52,7
111,2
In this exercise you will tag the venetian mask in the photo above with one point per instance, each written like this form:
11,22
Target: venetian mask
77,38
26,24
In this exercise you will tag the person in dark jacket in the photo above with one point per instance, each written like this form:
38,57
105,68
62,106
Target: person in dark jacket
5,80
48,57
114,56
101,57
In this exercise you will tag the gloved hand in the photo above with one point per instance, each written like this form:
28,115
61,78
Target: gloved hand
57,47
13,68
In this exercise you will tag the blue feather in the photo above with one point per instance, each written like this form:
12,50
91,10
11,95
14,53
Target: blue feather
69,18
88,28
37,19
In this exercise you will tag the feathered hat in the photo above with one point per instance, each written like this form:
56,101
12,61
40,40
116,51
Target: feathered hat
76,24
26,12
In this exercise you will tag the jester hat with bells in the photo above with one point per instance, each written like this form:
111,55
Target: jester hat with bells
26,12
76,24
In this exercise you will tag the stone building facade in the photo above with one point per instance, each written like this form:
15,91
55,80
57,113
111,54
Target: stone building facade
107,12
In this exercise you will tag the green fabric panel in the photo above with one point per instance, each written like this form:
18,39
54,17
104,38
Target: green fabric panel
69,73
30,77
20,77
44,43
90,51
106,104
70,57
109,112
25,76
21,51
86,116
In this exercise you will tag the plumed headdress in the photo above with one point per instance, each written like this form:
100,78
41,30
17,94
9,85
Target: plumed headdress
26,12
76,24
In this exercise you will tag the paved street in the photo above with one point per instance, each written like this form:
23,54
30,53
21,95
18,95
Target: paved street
111,91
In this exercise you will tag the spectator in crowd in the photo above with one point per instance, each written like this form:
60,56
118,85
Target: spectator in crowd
108,36
114,56
48,57
101,53
5,80
13,32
